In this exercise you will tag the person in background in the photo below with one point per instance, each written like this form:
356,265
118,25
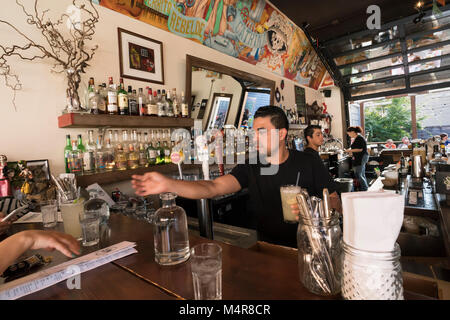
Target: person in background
390,144
358,150
314,138
444,138
405,143
14,246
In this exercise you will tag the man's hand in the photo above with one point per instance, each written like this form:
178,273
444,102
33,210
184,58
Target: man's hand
150,183
51,240
295,210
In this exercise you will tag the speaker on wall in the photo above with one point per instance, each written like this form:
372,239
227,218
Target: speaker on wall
327,93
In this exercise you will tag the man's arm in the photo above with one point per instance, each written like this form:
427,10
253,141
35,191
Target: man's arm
155,183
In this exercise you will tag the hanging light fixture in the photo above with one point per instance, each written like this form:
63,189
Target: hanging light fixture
419,7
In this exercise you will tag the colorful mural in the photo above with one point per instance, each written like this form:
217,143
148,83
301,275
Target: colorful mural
251,30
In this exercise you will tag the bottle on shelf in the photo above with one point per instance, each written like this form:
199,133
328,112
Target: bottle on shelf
152,104
109,151
176,104
121,157
102,99
161,103
133,153
146,140
151,151
184,106
67,150
142,151
159,149
122,99
92,97
89,154
112,98
132,102
169,105
142,103
166,147
101,155
75,159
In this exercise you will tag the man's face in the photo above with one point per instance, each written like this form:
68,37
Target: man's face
317,138
263,137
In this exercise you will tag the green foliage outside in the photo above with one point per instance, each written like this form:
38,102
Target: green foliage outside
390,121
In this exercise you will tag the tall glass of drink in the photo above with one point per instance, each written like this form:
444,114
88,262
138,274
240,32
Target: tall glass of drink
288,197
70,212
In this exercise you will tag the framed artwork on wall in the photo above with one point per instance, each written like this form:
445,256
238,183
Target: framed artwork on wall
219,110
141,58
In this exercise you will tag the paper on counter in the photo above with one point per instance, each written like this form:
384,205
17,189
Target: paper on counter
34,217
372,220
48,277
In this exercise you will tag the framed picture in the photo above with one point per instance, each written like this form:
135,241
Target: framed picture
219,110
40,170
141,58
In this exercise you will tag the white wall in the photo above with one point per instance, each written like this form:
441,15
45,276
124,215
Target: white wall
32,131
334,104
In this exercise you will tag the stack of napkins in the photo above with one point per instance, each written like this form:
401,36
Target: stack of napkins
372,220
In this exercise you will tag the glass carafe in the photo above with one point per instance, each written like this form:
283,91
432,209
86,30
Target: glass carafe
170,232
95,204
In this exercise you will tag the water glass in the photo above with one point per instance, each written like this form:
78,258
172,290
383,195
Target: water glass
206,266
90,227
49,211
70,211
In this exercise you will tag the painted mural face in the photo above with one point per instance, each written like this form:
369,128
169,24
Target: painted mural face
250,30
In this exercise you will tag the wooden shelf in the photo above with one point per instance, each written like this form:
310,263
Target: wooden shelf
117,176
80,120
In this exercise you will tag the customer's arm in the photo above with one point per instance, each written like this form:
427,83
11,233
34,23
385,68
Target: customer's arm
13,247
155,183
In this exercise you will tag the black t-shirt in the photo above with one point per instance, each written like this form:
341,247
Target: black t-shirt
359,143
264,191
310,150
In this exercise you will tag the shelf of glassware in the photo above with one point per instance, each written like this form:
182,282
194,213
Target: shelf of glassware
108,177
85,120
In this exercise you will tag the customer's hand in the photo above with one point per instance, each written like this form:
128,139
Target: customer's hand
150,183
51,240
4,226
295,210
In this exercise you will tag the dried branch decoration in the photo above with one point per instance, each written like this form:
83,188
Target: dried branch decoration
66,49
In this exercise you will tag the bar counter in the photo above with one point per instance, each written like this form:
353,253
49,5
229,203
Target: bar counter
258,274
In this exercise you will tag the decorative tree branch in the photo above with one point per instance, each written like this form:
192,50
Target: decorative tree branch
66,49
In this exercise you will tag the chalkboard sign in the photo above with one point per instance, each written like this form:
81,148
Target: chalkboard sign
300,100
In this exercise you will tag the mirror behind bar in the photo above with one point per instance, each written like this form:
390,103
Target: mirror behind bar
216,93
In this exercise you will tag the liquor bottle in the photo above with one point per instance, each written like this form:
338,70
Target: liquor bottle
75,159
122,99
80,145
121,158
184,106
176,104
151,151
146,140
112,98
133,154
166,147
102,99
152,108
92,97
109,151
159,149
161,103
142,103
169,105
132,102
101,155
142,151
67,150
89,154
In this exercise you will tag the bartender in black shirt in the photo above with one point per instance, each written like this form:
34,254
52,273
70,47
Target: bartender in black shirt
263,180
314,138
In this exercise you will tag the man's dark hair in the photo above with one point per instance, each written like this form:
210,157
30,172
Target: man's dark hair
443,135
309,131
277,116
356,129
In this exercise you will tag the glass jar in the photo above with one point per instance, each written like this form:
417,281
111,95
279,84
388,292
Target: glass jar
98,206
319,254
170,230
369,275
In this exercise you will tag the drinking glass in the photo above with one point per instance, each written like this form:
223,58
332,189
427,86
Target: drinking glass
288,197
90,227
49,211
70,211
206,265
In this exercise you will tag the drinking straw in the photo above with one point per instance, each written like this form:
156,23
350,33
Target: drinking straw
298,178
